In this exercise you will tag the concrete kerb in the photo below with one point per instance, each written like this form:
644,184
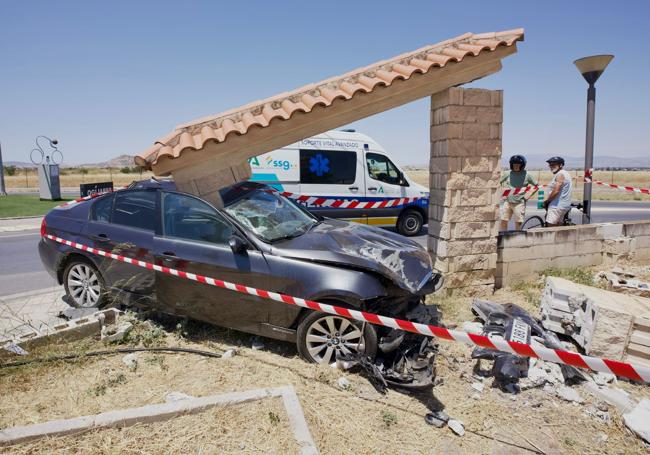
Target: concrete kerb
165,411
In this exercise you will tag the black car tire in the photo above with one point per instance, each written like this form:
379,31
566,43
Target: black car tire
410,223
73,270
307,346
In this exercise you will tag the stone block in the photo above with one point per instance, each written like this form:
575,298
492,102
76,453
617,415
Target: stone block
588,232
472,230
513,239
637,228
620,246
496,97
472,262
453,95
642,241
496,131
488,147
444,164
439,229
461,181
439,197
476,246
455,114
488,114
446,131
477,97
476,197
475,131
611,230
485,163
466,214
471,278
577,260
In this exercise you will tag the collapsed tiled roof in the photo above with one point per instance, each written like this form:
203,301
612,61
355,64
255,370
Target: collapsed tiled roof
283,107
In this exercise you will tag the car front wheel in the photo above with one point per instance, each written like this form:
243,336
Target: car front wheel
84,285
321,336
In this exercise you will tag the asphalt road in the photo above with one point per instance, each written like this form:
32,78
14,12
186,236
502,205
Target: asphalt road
21,269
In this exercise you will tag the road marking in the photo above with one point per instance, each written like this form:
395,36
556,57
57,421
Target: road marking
19,235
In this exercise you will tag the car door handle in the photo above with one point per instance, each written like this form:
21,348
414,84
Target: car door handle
100,237
353,188
372,188
169,256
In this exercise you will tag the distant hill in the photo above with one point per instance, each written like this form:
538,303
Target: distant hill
118,161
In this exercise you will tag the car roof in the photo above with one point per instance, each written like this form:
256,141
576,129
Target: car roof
228,194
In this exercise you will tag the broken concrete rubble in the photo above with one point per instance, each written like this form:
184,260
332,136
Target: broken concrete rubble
569,394
604,323
515,324
620,280
638,420
116,334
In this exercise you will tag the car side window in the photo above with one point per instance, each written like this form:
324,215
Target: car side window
189,218
135,209
101,209
382,169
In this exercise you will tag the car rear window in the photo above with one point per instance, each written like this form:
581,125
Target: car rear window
101,209
328,167
135,209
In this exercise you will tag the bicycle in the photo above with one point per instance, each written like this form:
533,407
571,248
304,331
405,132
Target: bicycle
536,221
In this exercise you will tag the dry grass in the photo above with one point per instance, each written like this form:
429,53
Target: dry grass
71,179
600,193
358,420
249,428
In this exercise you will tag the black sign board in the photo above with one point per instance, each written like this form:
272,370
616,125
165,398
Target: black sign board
86,189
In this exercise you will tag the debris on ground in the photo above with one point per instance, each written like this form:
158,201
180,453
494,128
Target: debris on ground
513,323
456,426
344,383
131,361
173,397
229,353
76,313
472,327
613,395
569,394
14,348
115,334
257,344
638,420
604,323
437,418
620,280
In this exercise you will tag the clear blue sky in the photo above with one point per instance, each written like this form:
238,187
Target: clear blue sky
108,78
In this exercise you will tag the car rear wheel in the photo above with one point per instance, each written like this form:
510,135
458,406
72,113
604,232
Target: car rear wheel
410,223
84,285
322,335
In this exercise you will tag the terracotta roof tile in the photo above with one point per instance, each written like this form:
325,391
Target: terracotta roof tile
260,114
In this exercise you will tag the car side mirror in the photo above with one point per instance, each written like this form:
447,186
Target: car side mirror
402,180
237,244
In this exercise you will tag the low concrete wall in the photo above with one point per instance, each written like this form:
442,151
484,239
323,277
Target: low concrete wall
520,254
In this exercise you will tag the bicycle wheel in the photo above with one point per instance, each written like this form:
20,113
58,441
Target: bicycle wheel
533,222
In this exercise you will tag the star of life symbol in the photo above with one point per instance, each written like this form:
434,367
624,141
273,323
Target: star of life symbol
319,165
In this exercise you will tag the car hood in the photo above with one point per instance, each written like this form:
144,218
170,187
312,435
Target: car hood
403,261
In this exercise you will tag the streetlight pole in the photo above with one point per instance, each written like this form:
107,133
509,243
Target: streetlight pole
3,191
591,68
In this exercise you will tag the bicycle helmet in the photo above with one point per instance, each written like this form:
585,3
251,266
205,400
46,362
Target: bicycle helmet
556,159
520,159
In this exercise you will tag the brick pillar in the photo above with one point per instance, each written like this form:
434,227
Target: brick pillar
463,178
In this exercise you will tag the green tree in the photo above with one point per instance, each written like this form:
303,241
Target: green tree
10,170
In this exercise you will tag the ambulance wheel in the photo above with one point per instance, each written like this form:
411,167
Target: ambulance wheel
410,223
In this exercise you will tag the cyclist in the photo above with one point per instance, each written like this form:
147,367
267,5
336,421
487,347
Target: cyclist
515,204
558,198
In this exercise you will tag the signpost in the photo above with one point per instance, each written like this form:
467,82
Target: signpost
87,189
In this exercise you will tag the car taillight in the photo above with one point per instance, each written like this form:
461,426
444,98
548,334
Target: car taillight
43,227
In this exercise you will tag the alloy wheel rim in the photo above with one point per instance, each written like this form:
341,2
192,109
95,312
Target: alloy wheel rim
83,285
331,334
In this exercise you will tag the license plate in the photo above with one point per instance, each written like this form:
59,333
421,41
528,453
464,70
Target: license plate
520,331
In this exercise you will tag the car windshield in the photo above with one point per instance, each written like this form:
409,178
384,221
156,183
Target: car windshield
270,216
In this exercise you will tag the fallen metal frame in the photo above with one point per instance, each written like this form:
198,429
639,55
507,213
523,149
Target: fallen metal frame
165,411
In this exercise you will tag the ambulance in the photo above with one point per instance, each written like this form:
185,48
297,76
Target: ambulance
346,165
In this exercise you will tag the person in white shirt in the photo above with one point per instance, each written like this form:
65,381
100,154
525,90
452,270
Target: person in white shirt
558,198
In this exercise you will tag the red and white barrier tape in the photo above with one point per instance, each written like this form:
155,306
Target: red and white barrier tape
349,203
628,370
588,178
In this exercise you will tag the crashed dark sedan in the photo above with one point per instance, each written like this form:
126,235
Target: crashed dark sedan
259,239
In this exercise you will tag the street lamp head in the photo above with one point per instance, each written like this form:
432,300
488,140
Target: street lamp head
592,67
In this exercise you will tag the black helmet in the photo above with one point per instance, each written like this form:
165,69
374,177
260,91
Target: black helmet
556,159
520,159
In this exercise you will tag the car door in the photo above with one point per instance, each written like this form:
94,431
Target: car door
194,239
332,174
124,224
383,181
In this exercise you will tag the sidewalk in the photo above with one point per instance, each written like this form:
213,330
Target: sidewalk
20,224
28,311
